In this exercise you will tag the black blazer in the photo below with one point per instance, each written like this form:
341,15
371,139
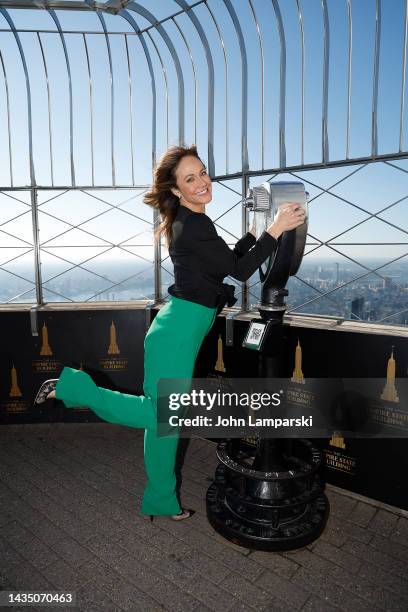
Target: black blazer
202,259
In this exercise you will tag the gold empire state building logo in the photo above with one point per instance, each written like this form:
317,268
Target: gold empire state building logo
114,362
113,345
45,347
219,366
15,402
337,440
15,389
46,362
389,392
297,376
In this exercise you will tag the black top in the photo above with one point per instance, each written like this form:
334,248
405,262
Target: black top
202,259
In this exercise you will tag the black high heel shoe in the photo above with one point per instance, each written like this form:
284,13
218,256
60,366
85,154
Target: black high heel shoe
46,388
184,514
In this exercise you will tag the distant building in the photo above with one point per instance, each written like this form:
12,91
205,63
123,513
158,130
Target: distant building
357,309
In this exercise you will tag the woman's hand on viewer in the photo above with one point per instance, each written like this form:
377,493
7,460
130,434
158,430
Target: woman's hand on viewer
289,216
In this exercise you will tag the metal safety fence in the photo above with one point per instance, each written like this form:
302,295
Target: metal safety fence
92,92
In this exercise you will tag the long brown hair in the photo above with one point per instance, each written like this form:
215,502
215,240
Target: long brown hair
160,195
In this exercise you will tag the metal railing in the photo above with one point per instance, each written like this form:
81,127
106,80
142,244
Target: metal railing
205,69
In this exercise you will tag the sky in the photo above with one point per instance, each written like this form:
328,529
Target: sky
390,72
371,189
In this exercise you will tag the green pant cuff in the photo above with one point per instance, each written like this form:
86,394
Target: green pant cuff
65,389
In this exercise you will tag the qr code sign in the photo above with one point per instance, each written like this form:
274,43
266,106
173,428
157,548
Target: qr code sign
255,333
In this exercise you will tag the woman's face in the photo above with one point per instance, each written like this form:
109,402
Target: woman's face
193,185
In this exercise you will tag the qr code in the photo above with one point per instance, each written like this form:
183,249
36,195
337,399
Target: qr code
255,334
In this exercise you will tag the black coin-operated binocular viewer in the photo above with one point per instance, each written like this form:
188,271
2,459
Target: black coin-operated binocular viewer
270,496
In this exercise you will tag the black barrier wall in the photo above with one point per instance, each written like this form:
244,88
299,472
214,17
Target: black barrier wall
108,344
375,468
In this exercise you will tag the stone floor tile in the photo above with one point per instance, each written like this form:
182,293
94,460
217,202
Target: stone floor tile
281,588
72,552
247,592
394,549
339,556
400,533
383,522
70,520
213,596
362,514
275,562
64,577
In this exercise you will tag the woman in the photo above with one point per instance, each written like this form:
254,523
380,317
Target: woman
181,190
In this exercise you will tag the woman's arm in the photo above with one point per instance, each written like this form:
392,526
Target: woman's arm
244,244
215,254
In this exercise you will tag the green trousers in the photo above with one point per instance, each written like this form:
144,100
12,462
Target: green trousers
171,347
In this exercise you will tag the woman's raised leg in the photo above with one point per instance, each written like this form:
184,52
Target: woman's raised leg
76,388
171,348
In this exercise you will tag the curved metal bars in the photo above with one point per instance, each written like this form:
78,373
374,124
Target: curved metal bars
325,102
116,7
374,127
261,51
244,91
88,64
108,48
166,83
282,84
403,79
226,84
180,31
9,20
210,95
71,111
3,68
236,29
61,4
49,107
131,20
156,215
349,73
137,8
130,107
302,82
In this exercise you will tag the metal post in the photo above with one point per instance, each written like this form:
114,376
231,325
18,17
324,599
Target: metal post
157,260
245,291
36,243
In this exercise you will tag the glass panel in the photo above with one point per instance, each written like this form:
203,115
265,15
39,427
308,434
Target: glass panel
96,245
17,277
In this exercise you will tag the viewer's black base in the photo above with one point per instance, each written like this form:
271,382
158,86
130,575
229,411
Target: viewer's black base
262,536
277,510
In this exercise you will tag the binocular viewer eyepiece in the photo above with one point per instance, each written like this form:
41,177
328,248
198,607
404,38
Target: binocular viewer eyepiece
267,197
264,201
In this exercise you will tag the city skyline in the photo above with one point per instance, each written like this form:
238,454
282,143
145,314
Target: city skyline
380,298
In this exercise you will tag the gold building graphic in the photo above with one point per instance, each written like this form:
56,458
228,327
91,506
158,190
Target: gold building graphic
114,362
297,376
15,389
389,392
45,347
337,440
113,345
220,366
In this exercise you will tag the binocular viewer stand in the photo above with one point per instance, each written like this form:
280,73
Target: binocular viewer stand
270,497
